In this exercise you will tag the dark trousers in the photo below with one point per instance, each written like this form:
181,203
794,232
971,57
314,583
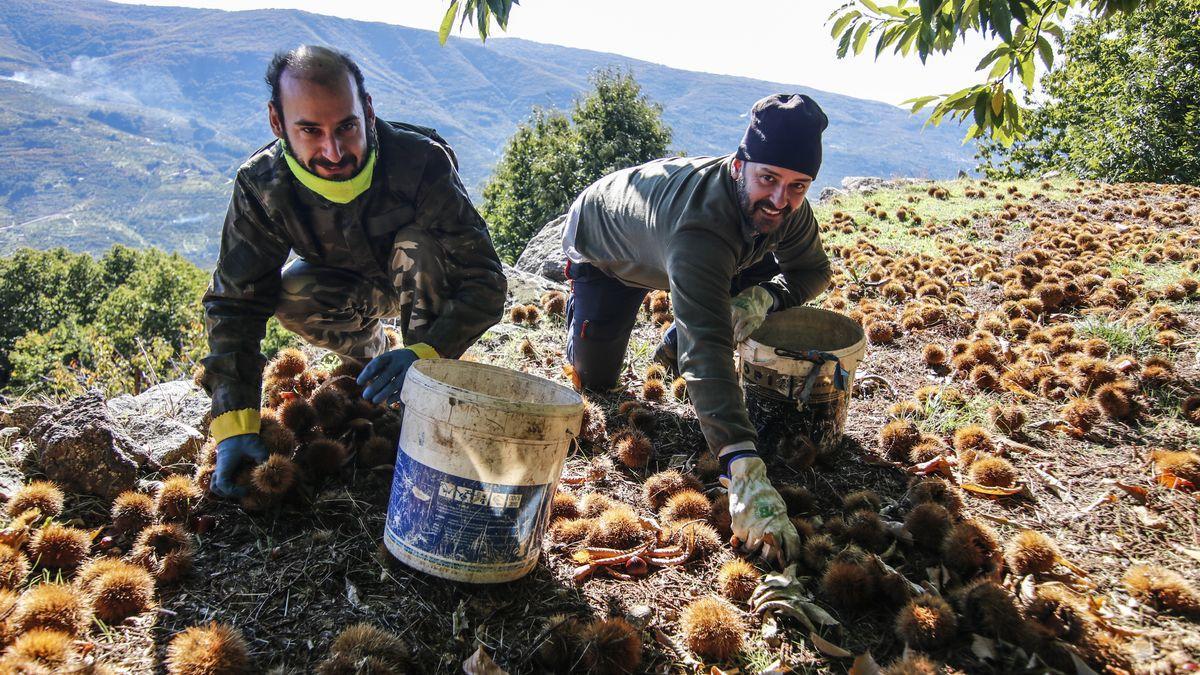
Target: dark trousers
601,311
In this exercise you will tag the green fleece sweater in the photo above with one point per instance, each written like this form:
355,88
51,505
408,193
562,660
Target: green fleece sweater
675,224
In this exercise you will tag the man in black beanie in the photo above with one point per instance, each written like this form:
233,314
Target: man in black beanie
732,238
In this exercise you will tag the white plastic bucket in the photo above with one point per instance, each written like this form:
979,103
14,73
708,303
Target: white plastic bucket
777,364
481,451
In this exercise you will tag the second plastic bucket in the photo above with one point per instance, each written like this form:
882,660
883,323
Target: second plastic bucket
481,451
798,371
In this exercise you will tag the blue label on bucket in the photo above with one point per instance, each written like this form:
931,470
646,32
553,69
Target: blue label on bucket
449,521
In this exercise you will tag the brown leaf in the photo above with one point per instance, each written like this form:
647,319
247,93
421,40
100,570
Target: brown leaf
991,491
828,648
1136,491
938,465
1173,482
573,376
481,664
864,664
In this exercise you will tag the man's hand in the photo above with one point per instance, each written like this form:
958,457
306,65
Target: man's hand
749,309
385,375
232,453
759,516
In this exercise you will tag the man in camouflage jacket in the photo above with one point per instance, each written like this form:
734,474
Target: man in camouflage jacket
382,227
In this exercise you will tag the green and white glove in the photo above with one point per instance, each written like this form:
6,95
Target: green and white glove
759,516
749,310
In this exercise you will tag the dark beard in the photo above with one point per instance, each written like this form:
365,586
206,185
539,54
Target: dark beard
749,211
311,167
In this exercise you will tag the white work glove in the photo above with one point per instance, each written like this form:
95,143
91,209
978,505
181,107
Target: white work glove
749,309
759,516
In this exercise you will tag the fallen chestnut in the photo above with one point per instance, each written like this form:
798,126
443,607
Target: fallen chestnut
636,566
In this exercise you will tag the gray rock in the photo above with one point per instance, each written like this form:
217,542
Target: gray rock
525,287
82,447
24,415
166,440
179,400
869,184
828,193
543,255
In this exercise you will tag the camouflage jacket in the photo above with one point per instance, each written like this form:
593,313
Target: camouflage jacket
415,185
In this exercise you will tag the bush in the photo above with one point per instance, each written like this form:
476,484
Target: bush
551,158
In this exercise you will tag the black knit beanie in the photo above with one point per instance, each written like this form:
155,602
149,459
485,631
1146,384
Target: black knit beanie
785,131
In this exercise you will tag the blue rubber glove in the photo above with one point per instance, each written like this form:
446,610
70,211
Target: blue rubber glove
384,375
232,453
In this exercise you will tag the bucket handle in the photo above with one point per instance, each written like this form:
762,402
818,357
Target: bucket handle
818,358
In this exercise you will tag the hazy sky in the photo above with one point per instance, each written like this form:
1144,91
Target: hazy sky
783,41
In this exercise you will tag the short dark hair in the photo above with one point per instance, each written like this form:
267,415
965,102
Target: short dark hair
320,64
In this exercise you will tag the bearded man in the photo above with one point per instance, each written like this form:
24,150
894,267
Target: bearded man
732,238
381,227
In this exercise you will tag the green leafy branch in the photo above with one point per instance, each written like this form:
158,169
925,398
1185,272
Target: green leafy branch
481,13
1025,29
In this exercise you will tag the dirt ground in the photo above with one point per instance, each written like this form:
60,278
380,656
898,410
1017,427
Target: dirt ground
292,578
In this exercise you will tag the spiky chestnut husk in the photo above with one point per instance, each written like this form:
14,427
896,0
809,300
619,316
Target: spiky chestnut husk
658,302
609,647
933,355
177,498
132,511
898,437
332,408
927,523
700,538
365,641
937,491
880,332
378,451
299,416
288,362
532,314
913,663
91,571
654,371
1181,464
1191,408
985,608
865,528
564,505
643,420
1163,589
1056,614
14,566
165,550
121,593
796,451
323,457
594,424
275,476
554,303
1082,413
43,495
571,530
720,519
632,448
58,547
929,448
926,622
592,504
517,314
1007,418
848,585
653,390
971,548
738,579
798,499
661,486
862,499
1031,552
618,527
686,505
973,438
993,471
52,606
51,649
215,649
712,628
679,389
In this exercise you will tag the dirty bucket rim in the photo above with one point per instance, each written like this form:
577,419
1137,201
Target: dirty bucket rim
570,408
751,344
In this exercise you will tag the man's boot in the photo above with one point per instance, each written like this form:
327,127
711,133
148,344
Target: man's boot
667,353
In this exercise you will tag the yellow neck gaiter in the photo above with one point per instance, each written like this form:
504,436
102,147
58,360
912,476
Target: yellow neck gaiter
336,191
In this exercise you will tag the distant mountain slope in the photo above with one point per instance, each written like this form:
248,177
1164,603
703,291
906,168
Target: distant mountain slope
124,123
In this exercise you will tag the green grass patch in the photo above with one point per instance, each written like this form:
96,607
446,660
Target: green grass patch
1122,336
941,414
1156,276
